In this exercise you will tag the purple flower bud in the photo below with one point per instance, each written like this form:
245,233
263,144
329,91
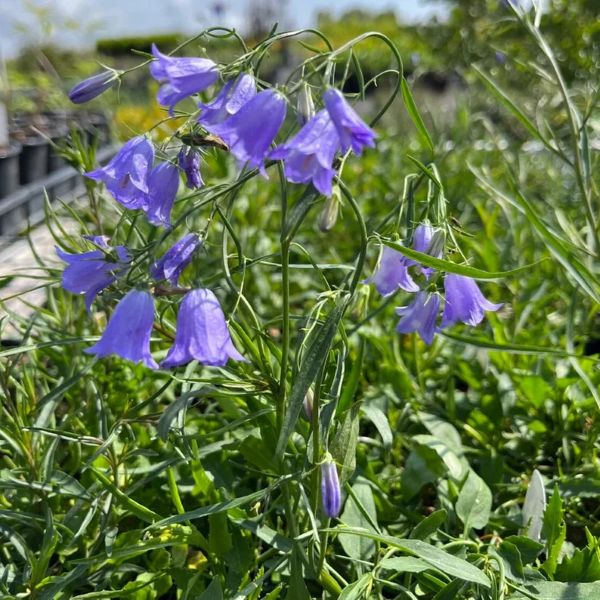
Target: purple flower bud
126,175
174,260
252,129
202,333
352,130
89,273
307,404
93,86
464,301
392,273
308,156
128,331
163,183
189,163
180,77
420,316
233,95
331,494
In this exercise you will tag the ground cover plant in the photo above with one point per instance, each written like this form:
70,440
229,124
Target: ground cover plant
344,361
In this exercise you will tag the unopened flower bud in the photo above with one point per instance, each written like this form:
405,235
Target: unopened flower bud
331,494
307,404
189,163
93,86
331,209
305,106
437,243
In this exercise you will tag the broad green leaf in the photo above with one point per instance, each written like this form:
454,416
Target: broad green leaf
534,506
474,502
554,531
422,466
405,564
297,589
429,525
355,546
552,590
343,447
380,420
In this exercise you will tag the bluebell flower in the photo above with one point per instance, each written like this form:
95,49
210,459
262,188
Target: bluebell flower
129,329
233,95
126,175
308,156
251,130
89,273
170,265
464,301
420,316
331,494
352,130
163,183
189,163
181,77
202,333
93,86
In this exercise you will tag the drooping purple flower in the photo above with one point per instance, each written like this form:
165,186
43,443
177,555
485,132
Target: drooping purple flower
352,130
308,156
464,301
180,77
170,265
420,316
128,331
202,333
425,240
189,163
392,274
163,183
233,95
252,129
331,494
126,175
89,273
93,86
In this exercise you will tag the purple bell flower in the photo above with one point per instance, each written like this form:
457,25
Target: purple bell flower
180,77
331,494
89,273
202,333
93,86
126,175
252,129
174,260
128,331
420,316
464,301
392,273
189,163
353,131
163,183
308,156
233,95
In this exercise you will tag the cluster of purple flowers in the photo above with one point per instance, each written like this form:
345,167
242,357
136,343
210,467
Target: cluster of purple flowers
463,301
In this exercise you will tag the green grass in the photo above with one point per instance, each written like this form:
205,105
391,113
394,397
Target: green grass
117,481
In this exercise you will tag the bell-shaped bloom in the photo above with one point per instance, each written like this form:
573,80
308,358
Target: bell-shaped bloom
126,175
89,273
464,301
128,331
430,241
170,265
353,131
189,163
420,316
180,77
233,95
308,156
93,86
392,273
251,130
163,183
202,333
331,494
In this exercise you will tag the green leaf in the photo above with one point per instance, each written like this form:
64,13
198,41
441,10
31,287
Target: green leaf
415,116
511,558
355,546
474,502
528,549
358,589
343,447
429,525
297,589
554,531
551,590
583,565
437,558
450,267
422,466
213,592
404,564
380,420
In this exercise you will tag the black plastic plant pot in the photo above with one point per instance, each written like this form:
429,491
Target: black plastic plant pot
9,169
97,127
33,161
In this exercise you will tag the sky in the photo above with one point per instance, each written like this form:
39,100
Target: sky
78,23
